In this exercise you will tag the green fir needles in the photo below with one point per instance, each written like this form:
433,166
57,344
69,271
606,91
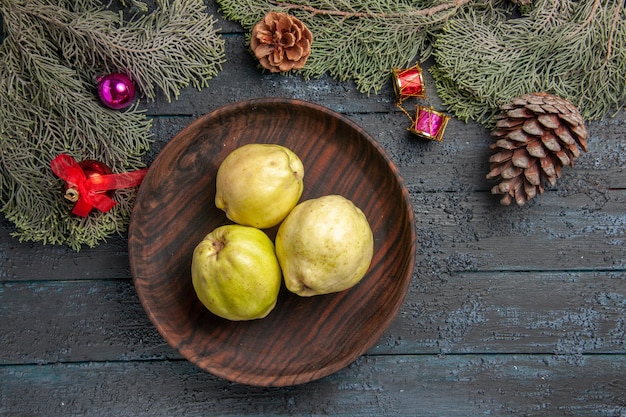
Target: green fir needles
360,40
573,49
50,58
486,51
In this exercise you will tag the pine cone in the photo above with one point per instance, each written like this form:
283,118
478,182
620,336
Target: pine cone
281,42
537,134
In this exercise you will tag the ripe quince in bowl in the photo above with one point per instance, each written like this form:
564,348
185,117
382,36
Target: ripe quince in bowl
302,338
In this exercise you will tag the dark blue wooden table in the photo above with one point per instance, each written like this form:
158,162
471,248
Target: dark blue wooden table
516,311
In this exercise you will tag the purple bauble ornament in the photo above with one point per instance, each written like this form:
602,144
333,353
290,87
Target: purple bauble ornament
116,90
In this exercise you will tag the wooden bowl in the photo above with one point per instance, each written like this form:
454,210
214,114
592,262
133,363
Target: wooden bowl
302,339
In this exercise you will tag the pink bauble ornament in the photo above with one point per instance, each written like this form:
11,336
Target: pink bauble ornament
116,90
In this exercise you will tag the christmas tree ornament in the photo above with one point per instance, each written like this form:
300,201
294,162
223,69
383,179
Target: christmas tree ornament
93,170
116,90
408,82
90,184
536,136
429,123
485,52
281,42
50,58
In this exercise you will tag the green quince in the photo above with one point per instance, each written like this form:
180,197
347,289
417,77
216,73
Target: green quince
325,245
235,273
259,184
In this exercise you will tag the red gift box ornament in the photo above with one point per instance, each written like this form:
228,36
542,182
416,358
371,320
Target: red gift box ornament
408,82
90,184
429,124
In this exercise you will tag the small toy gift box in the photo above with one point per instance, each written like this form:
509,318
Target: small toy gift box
429,124
408,82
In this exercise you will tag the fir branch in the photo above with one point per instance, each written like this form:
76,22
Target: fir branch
485,54
616,17
587,21
135,5
359,40
372,15
49,61
52,111
482,61
179,39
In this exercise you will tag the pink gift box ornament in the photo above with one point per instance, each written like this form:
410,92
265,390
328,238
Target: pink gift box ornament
429,124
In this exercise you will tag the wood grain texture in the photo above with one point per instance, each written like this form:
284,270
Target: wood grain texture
468,385
570,315
440,177
303,338
511,311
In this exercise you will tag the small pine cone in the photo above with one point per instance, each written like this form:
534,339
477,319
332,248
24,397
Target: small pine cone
281,42
536,135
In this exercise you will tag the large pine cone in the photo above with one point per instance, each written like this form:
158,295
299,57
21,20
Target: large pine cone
281,42
537,134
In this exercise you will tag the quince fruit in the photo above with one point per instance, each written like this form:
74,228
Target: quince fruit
259,184
325,245
235,273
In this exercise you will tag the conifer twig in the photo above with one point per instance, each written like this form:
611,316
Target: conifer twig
485,53
418,12
618,9
50,56
589,18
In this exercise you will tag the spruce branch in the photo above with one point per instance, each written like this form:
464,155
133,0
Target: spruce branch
617,11
50,57
359,40
482,60
587,21
135,5
427,12
485,52
179,40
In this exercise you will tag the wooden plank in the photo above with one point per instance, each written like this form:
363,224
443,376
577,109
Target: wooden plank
35,261
225,27
473,232
566,314
578,224
55,321
424,385
461,162
512,311
240,79
462,231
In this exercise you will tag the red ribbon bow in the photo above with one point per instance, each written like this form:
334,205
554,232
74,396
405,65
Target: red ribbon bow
91,190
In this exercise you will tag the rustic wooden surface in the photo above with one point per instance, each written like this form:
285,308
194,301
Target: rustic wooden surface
511,311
